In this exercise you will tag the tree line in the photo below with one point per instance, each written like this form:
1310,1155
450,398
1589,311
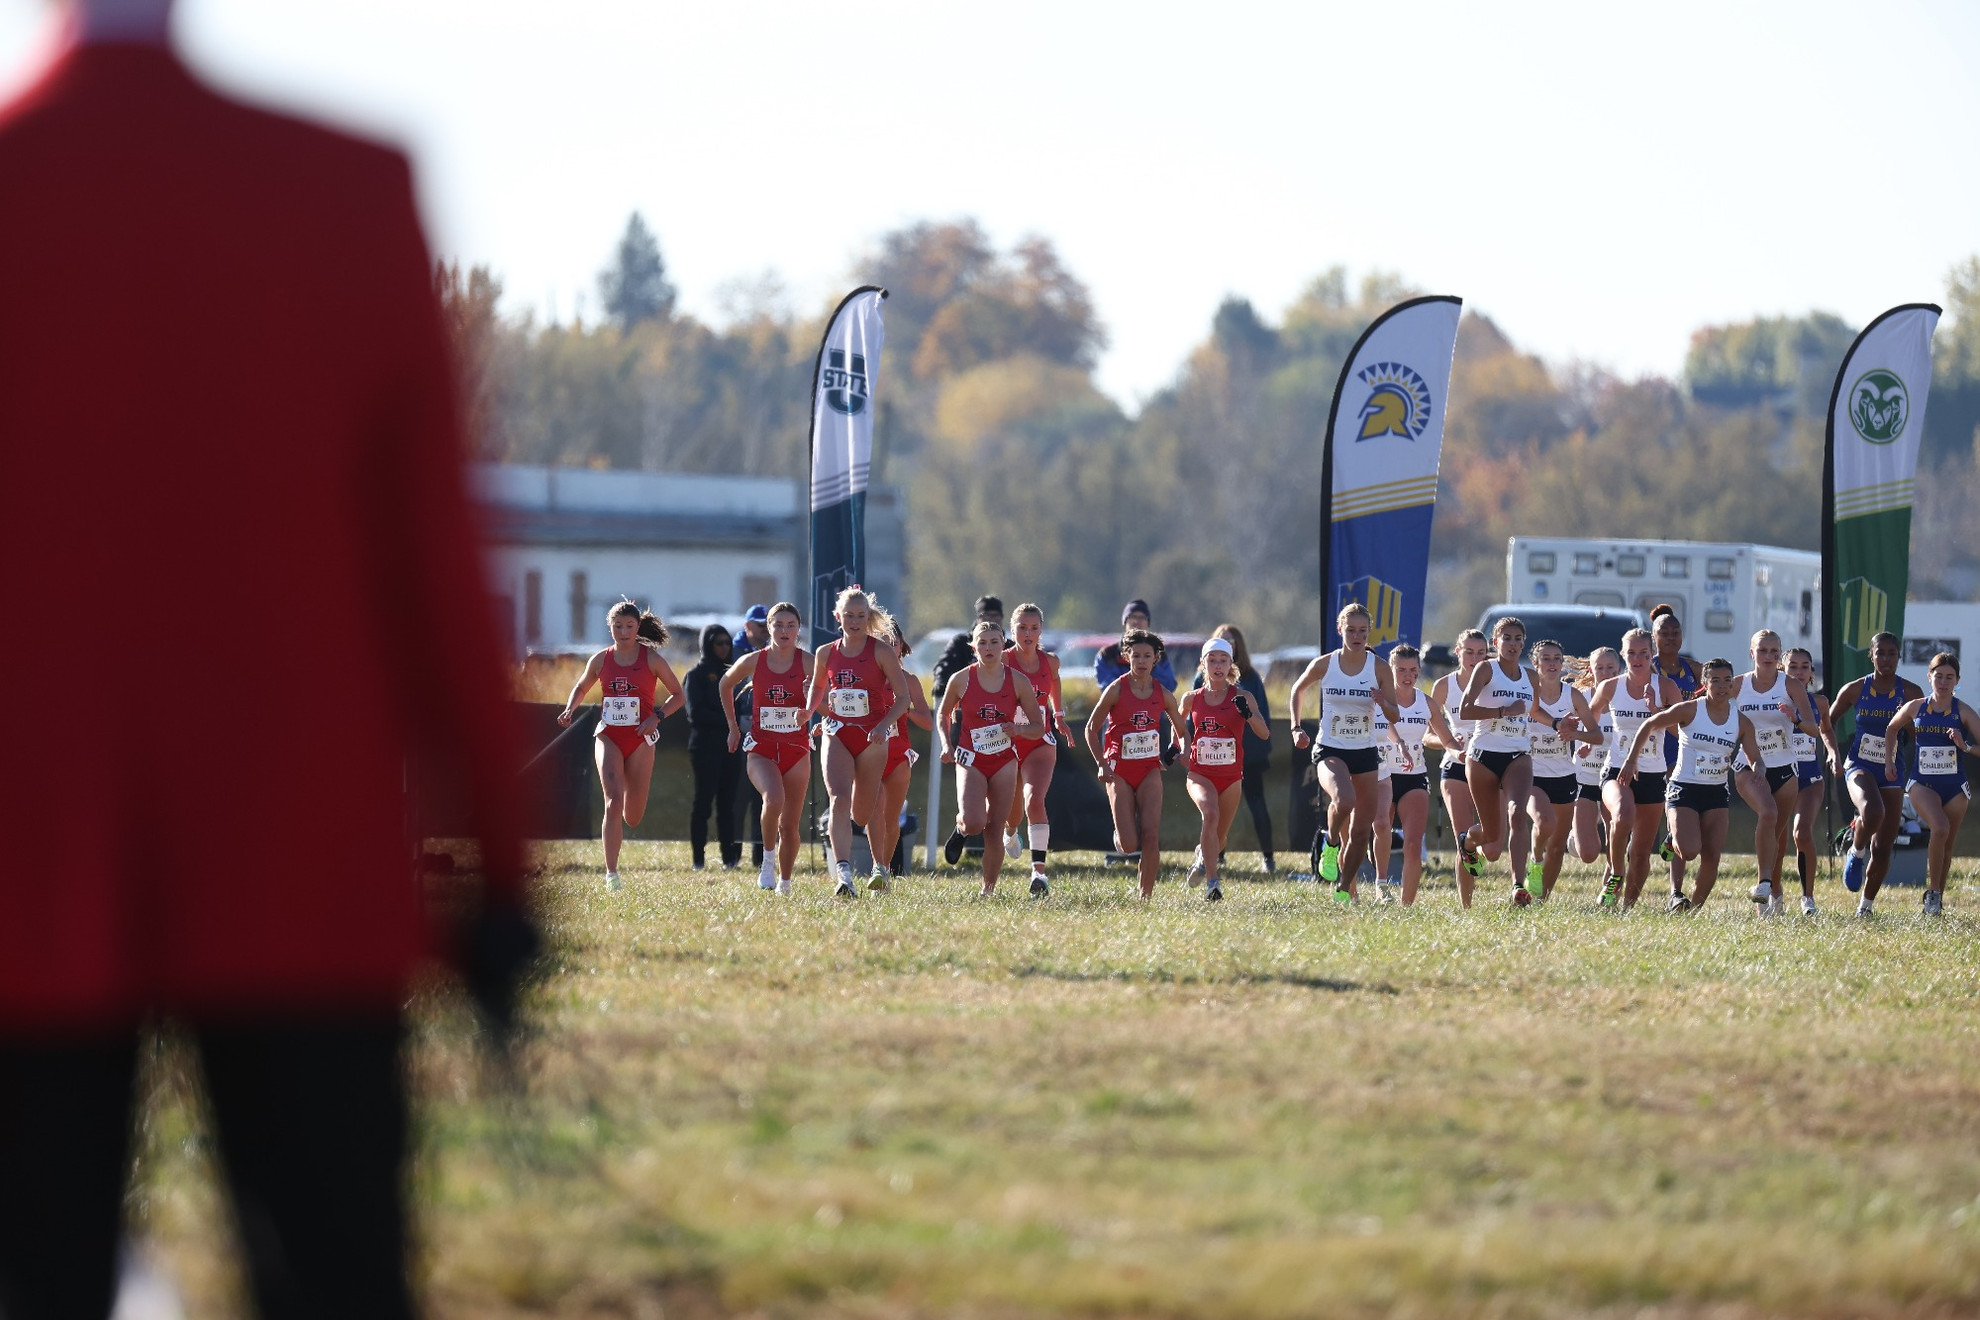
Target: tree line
1022,478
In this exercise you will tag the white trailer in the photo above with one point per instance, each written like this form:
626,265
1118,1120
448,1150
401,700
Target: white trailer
1931,626
1723,591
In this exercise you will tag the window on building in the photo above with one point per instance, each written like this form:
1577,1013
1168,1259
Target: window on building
580,605
532,607
758,589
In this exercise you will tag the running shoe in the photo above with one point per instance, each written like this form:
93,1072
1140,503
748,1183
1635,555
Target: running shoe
1536,883
1664,849
1807,906
1039,887
767,877
1520,898
1611,890
1678,903
1343,896
846,888
1935,903
1195,876
1763,893
1863,908
1270,869
784,888
881,880
1856,867
612,884
1468,856
1013,845
1213,892
952,848
1330,863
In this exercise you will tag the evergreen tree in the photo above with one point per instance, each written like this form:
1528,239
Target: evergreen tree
635,287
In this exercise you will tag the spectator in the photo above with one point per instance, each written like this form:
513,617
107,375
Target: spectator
756,632
961,653
256,888
756,636
1110,663
1257,751
718,772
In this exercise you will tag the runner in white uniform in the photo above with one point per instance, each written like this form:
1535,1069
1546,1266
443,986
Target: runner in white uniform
1498,764
1710,730
1811,774
1404,787
1586,837
1775,704
1353,681
1447,695
1561,725
1635,805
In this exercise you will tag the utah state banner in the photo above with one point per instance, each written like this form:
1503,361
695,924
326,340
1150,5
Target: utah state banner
842,400
1876,419
1378,491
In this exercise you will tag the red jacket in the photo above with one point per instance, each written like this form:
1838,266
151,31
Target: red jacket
237,557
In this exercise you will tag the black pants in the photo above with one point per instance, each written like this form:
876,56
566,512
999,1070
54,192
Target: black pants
718,773
310,1121
1261,815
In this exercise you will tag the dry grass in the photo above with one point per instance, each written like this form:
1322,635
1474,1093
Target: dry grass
928,1105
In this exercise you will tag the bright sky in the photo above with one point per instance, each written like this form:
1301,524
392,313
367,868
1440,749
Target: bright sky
1600,179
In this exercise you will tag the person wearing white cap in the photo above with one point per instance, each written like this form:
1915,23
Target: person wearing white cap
1214,718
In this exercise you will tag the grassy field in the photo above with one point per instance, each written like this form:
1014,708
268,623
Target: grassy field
925,1104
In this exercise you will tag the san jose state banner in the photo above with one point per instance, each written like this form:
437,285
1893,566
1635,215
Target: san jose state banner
1379,483
842,396
1876,419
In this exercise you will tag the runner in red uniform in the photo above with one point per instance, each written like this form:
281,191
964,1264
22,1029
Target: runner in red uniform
1037,756
628,673
1130,711
989,694
1215,717
778,743
884,832
860,687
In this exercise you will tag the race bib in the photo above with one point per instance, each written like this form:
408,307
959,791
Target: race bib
778,719
1347,729
850,703
1141,746
1773,742
989,739
1869,747
1514,728
1547,742
830,726
1938,760
1807,747
1710,765
621,712
749,742
1216,751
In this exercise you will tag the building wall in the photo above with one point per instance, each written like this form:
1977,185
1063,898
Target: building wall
577,584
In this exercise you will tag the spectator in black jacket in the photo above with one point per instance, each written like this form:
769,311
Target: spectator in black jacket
961,652
717,770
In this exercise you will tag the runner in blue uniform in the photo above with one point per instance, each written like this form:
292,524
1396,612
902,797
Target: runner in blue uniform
1876,790
1947,729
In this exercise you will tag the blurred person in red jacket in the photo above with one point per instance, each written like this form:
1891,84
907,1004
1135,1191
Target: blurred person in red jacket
231,466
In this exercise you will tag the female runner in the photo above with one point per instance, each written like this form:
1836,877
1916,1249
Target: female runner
1776,705
1561,726
1710,730
1353,682
1877,792
883,834
778,744
1130,712
1038,756
1585,839
868,695
1498,761
1257,751
1947,729
1215,717
1667,633
1402,789
1635,804
990,695
1810,772
1447,693
628,673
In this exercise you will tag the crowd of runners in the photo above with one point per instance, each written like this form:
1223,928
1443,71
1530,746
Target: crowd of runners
1627,758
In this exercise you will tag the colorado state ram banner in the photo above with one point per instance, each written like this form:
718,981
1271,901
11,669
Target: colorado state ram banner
1379,488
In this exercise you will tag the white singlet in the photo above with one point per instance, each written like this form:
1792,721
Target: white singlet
1705,747
1453,703
1406,757
1588,756
1630,713
1508,734
1552,758
1347,705
1773,728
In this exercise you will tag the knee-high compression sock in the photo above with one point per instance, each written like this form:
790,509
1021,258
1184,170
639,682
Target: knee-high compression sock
1041,842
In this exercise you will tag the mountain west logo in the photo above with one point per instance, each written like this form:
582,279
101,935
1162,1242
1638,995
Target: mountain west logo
1866,611
1384,604
1879,406
1400,404
845,386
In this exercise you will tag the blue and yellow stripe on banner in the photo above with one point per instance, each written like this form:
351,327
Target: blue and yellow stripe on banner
1386,496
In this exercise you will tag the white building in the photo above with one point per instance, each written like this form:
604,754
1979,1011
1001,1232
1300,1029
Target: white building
570,542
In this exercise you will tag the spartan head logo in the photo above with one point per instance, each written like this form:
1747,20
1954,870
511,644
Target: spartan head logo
844,383
1399,403
1879,406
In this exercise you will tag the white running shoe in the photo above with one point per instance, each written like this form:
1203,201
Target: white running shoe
767,877
1807,906
784,888
1196,868
1013,845
612,883
1763,893
881,880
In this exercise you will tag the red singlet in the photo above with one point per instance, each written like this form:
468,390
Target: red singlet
983,714
1216,741
1133,745
1045,683
627,699
777,732
858,693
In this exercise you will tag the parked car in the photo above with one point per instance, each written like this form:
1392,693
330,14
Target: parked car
1578,628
